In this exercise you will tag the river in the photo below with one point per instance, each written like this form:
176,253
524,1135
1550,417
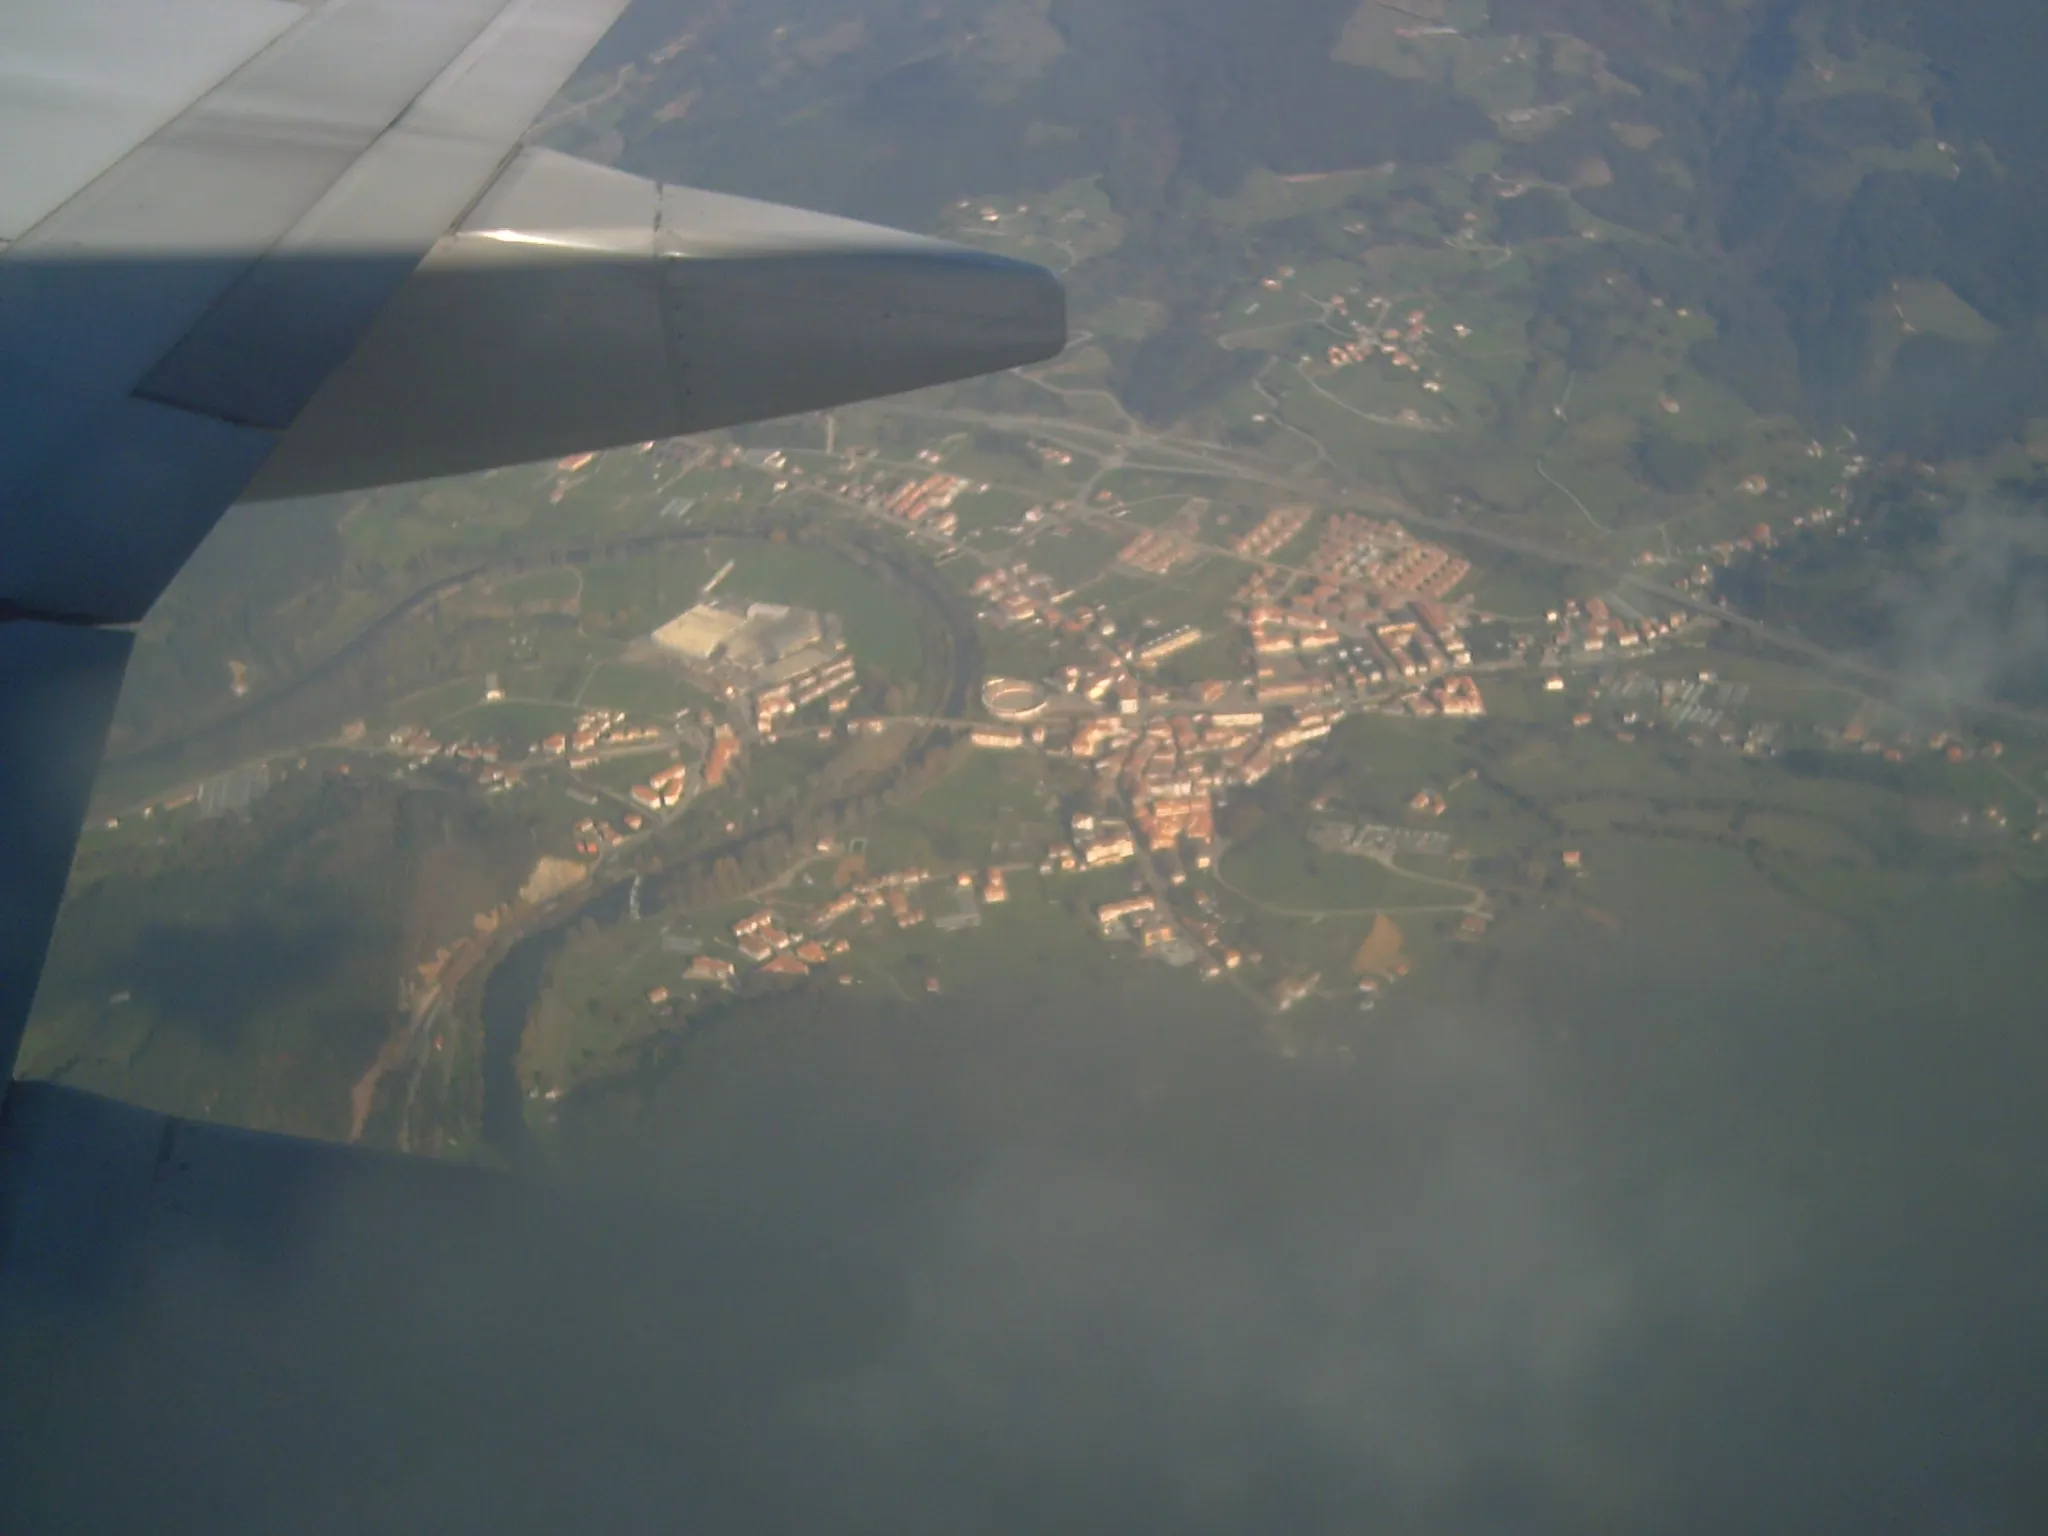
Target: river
514,983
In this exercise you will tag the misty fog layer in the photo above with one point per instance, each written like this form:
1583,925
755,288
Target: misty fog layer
1974,624
1737,1231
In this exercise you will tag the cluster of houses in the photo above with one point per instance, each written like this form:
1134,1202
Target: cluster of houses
420,744
1172,643
480,761
1401,342
663,790
1592,627
581,747
927,501
1402,346
773,950
1301,654
1825,518
1170,771
1171,767
1860,735
1273,531
596,729
1156,551
1097,842
763,941
1142,918
594,836
1383,557
725,750
835,680
1331,641
1016,594
891,892
1455,697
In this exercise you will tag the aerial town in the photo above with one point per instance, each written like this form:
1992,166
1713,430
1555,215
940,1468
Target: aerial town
1146,715
881,699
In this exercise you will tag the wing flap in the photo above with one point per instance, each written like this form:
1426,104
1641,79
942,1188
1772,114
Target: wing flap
580,307
261,352
160,328
84,106
180,218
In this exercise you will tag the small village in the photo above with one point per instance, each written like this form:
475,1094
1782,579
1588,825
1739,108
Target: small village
1329,615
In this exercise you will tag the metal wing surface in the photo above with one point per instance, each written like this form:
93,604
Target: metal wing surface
173,169
297,244
257,248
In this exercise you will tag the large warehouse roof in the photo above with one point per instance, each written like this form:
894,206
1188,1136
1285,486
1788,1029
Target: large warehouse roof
699,633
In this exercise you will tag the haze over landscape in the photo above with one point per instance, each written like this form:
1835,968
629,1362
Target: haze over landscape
1402,894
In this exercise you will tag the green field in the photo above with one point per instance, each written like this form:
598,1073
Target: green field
1023,651
521,723
989,512
987,805
594,1015
1136,485
628,598
431,706
1390,757
1197,596
557,680
1126,317
558,584
1520,591
647,692
784,768
1075,554
1037,928
1283,872
1218,655
246,970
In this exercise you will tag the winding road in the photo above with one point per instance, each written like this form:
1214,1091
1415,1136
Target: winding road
1475,902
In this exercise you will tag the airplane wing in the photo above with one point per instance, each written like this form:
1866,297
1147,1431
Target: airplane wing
260,248
271,247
